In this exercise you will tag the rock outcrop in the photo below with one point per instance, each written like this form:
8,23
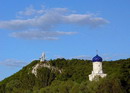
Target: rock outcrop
44,64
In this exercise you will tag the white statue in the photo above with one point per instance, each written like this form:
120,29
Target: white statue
43,57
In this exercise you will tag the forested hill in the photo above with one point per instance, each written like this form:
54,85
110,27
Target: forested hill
69,76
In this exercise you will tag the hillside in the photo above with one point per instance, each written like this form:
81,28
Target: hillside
68,76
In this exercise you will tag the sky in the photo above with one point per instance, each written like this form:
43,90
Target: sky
62,29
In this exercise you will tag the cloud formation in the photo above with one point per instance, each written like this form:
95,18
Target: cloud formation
40,24
29,11
13,63
42,35
85,57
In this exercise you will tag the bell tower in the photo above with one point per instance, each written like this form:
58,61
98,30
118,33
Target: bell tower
97,68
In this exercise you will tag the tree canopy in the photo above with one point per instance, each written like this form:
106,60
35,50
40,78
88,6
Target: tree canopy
73,79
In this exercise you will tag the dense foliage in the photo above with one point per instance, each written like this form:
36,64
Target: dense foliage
73,79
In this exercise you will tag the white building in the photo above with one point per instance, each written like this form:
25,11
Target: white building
97,69
43,57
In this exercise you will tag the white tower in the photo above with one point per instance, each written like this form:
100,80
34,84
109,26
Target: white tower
43,57
97,68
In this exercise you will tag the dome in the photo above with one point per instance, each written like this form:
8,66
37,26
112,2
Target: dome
97,59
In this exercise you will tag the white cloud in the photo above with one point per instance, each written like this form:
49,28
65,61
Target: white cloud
85,19
13,63
43,35
58,56
30,11
109,57
45,20
86,57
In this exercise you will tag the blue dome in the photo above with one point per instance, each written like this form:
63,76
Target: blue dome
97,59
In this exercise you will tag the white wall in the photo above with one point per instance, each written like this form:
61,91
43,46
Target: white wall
97,71
97,67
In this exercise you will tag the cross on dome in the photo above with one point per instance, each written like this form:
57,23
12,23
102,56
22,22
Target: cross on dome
97,58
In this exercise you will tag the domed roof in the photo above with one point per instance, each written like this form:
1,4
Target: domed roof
97,59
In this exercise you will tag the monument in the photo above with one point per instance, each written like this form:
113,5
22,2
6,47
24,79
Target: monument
43,57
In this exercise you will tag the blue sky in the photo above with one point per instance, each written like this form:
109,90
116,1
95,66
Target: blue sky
62,28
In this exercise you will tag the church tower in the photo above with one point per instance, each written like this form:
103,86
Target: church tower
97,69
43,57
